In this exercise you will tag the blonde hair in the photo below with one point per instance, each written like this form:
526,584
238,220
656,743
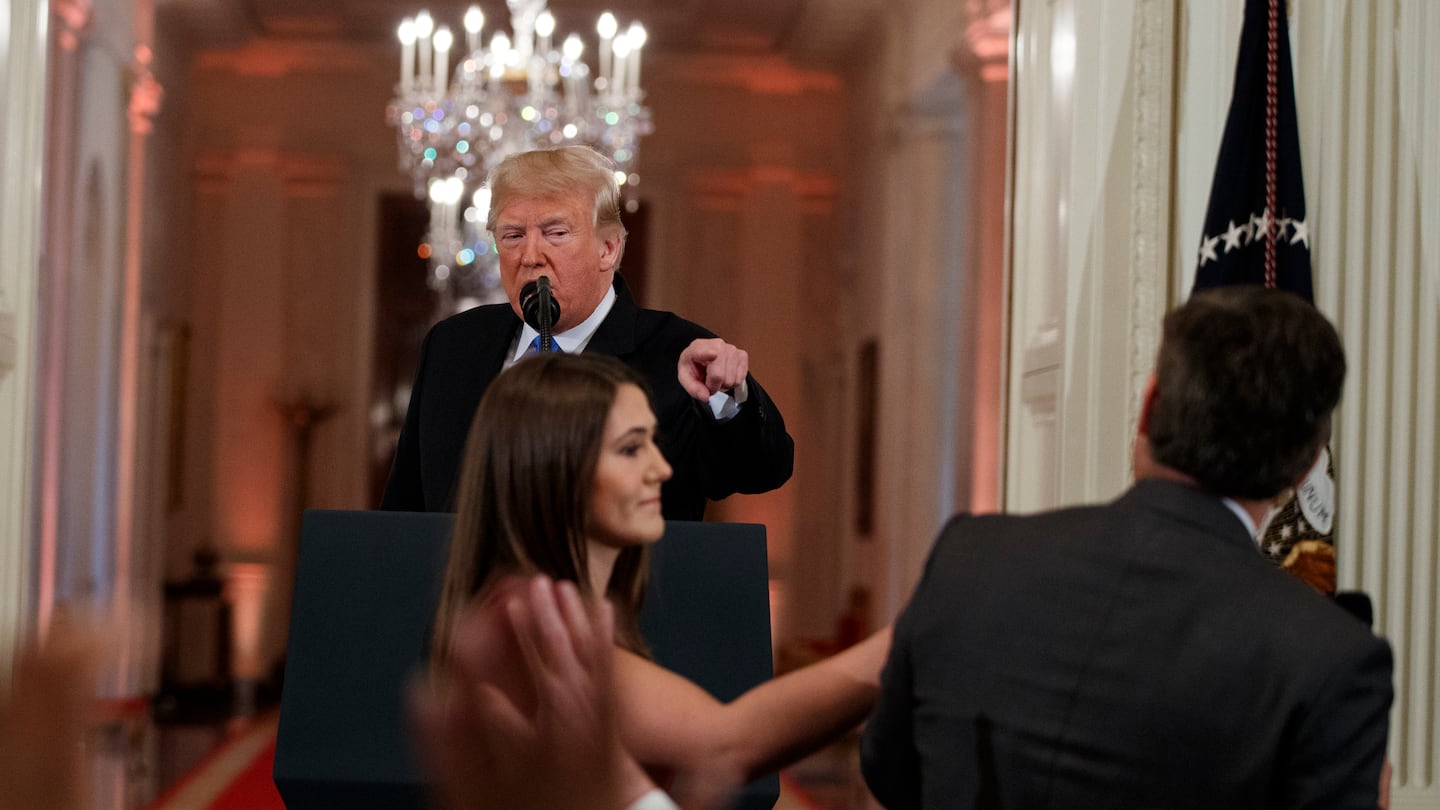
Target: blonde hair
554,173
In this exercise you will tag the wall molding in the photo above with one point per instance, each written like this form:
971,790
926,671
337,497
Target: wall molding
7,340
1150,214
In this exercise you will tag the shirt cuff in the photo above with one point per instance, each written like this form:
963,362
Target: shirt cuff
726,404
656,799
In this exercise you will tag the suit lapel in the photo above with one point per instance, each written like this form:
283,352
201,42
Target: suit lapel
616,334
489,349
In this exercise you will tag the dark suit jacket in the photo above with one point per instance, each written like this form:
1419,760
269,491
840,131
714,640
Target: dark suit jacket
462,354
1141,654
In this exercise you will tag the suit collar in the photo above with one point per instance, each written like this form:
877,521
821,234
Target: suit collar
616,335
1190,505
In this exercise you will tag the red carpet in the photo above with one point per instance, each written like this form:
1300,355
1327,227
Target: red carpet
235,776
253,789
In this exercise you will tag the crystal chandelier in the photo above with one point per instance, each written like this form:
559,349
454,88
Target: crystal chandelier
516,94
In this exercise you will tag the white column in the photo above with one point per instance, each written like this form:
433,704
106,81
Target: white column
22,119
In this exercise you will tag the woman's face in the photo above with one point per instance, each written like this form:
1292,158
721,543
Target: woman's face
625,499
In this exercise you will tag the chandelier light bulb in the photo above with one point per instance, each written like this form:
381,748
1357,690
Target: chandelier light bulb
545,24
443,39
454,190
637,36
572,48
474,19
424,25
606,26
622,46
406,31
500,51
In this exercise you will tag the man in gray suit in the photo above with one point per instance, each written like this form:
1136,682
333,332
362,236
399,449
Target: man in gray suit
1144,653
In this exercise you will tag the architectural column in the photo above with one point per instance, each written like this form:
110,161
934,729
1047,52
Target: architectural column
317,396
983,60
752,283
276,320
22,120
240,357
71,19
141,457
929,308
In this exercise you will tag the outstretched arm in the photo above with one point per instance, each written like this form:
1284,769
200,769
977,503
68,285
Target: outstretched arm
671,724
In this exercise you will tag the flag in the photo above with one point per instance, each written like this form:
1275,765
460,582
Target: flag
1256,232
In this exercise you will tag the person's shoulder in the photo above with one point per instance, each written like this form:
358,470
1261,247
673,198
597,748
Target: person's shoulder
659,324
471,321
998,526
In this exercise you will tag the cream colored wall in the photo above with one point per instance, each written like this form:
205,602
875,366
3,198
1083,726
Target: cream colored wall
924,278
741,179
1109,195
285,156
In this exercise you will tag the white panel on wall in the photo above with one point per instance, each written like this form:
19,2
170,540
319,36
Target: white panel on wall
1043,70
1091,242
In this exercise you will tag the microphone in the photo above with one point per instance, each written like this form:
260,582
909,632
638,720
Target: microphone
540,309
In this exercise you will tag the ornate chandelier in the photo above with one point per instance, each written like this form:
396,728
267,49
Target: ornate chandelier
516,94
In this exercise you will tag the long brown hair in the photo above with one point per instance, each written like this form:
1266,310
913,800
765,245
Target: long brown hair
525,485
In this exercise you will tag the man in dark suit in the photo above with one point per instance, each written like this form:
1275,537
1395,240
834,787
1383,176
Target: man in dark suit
556,213
1144,653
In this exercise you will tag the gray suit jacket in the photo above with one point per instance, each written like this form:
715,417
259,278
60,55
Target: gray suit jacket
1140,654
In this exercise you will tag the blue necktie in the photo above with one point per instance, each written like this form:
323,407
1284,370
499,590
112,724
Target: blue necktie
535,345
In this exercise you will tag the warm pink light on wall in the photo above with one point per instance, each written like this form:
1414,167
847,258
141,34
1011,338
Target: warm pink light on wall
245,588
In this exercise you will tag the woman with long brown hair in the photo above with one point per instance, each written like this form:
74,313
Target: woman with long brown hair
562,477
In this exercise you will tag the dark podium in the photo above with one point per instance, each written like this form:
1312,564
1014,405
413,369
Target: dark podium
366,588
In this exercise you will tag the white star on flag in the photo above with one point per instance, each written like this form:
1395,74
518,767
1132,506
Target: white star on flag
1234,235
1302,233
1261,224
1207,249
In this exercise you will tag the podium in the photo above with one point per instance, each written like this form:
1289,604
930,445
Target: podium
366,588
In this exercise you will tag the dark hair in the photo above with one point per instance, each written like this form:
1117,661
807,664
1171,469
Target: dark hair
525,484
1247,378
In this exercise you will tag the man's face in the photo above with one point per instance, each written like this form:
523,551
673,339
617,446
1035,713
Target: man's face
556,237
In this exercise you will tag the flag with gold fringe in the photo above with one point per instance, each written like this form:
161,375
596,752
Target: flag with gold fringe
1256,232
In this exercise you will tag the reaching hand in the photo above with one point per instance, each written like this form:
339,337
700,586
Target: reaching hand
42,722
711,365
525,717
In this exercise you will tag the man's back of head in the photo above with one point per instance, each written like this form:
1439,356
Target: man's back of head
1246,380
